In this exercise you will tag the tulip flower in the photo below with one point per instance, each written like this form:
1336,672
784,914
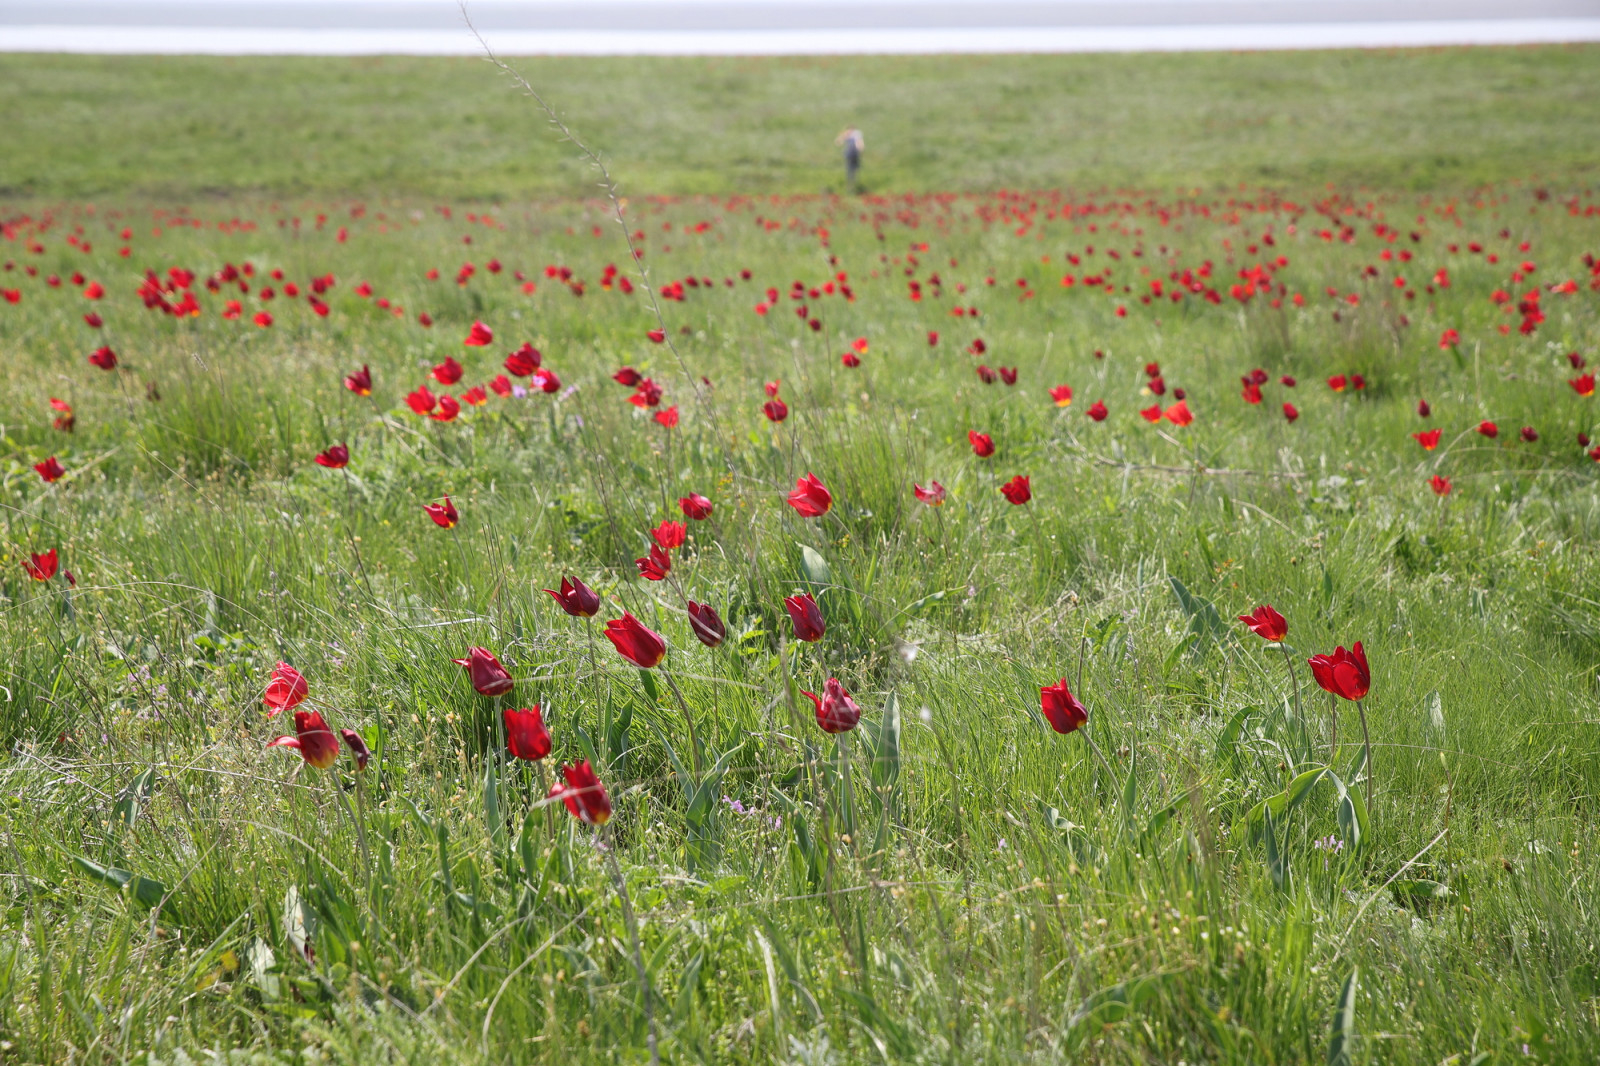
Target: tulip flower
65,420
1440,484
1017,490
526,735
480,336
358,748
50,469
1488,429
810,498
1291,412
708,628
982,443
546,380
627,376
850,359
448,372
1529,434
670,534
313,740
695,506
836,711
1064,711
933,495
334,458
1583,384
489,678
360,382
41,566
1423,410
576,598
668,418
104,358
806,616
775,410
656,335
443,514
501,385
1429,439
641,646
476,396
583,794
1338,382
1266,623
1151,414
1179,414
524,361
1062,395
422,401
1097,411
1344,673
285,689
656,565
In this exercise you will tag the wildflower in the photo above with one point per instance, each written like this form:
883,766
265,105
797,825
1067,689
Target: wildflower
635,642
576,598
1338,382
479,337
1179,414
775,410
695,506
360,754
475,396
1061,708
335,457
443,514
1291,412
547,381
526,735
360,382
656,336
1583,384
806,616
41,566
50,469
656,565
422,401
1529,434
1266,623
670,534
627,376
524,361
708,628
1344,673
1062,395
1097,411
313,740
1488,429
65,419
810,498
449,407
933,495
982,443
489,678
836,711
104,358
583,794
1423,410
448,372
1151,414
1429,439
1017,490
1440,484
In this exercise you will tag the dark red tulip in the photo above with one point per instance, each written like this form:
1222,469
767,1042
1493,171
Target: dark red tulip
775,410
641,646
1152,413
850,359
313,740
576,598
359,752
1423,410
1488,429
583,794
806,616
1291,412
1338,382
1061,708
479,337
1266,623
982,443
646,394
360,382
1583,384
335,458
41,566
1529,434
1008,374
695,506
50,469
836,711
93,321
449,407
627,376
1097,411
655,566
475,396
526,736
1017,490
708,628
1344,673
285,689
443,514
104,358
448,372
501,386
489,678
810,498
65,419
545,380
524,361
656,336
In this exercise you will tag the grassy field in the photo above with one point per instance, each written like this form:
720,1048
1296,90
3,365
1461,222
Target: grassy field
1226,865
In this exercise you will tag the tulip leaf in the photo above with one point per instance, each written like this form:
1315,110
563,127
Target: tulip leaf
885,740
1205,623
651,689
1419,891
1277,862
1342,1031
1285,801
1113,1004
687,985
143,889
132,798
815,566
491,801
1351,811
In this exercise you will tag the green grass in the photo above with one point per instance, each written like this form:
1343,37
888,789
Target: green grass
196,128
954,882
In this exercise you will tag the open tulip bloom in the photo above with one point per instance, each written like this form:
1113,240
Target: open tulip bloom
1345,674
313,739
1266,623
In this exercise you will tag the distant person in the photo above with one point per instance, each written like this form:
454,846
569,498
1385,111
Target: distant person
853,144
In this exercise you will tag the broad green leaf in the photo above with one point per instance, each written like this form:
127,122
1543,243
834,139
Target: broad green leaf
815,566
132,798
1343,1029
143,889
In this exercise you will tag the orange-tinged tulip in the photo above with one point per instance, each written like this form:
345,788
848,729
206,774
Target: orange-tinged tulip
313,740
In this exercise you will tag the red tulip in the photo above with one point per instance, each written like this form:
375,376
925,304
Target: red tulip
982,443
65,420
524,361
670,534
635,642
656,336
584,795
1097,411
836,711
810,498
775,410
933,495
1017,490
489,678
695,506
475,396
93,321
313,740
933,338
41,566
1583,384
1338,382
1266,623
646,394
335,458
1252,393
1291,412
1488,429
1061,708
1287,382
1344,673
264,320
1179,414
1440,484
706,625
576,598
850,360
1008,374
1429,439
422,401
480,336
1529,434
358,748
1423,410
668,418
95,291
655,566
526,736
449,407
1062,395
501,386
1152,413
360,382
443,514
50,469
104,358
627,376
448,372
806,616
546,381
986,374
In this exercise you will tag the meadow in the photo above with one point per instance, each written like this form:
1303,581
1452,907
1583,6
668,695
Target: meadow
906,708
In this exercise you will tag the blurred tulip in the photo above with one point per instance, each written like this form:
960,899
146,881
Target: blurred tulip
488,677
422,401
1266,623
1488,429
1062,395
526,735
775,410
1017,490
656,565
1097,411
41,566
1440,484
670,534
982,443
695,506
360,382
585,798
480,336
448,372
443,514
1429,439
524,361
1179,414
933,495
806,616
285,689
50,469
104,358
335,457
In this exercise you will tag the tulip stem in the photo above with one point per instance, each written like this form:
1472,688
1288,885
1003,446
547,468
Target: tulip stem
1294,681
1366,746
594,664
1333,729
1106,766
633,943
683,704
350,531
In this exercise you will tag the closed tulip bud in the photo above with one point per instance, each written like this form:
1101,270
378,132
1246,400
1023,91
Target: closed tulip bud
810,498
640,645
1064,711
806,616
1097,411
627,376
775,410
489,678
104,358
1266,623
708,628
526,735
982,443
359,753
576,598
480,336
313,740
285,689
443,514
836,711
1344,673
583,794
